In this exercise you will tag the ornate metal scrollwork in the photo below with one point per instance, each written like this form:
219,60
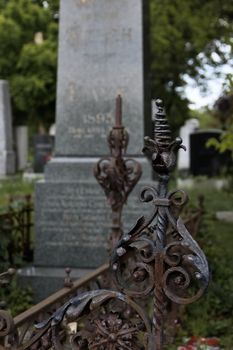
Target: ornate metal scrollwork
97,320
146,262
179,255
117,175
173,267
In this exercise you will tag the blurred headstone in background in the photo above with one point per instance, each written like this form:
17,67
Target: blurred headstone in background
52,130
207,160
43,150
189,127
7,155
21,145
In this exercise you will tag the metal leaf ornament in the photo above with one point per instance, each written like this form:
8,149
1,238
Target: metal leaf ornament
162,150
157,259
170,267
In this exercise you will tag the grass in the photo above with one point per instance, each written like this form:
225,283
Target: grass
215,200
14,186
17,299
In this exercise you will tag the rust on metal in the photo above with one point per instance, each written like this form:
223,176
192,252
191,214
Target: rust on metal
16,223
158,258
117,175
176,269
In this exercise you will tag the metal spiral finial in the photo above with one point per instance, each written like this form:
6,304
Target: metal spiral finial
162,132
162,150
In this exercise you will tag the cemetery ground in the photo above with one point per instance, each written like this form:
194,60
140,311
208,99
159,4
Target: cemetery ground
14,186
212,316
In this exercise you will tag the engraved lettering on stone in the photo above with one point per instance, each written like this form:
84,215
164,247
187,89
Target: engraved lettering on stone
76,211
72,35
77,37
83,2
71,91
93,126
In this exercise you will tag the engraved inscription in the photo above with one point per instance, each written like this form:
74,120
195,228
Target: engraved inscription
78,217
83,2
71,91
100,57
92,125
97,37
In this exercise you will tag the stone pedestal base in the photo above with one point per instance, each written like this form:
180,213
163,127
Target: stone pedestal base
73,218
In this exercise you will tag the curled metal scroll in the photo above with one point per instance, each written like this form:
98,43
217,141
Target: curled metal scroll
116,174
6,323
173,267
117,177
188,268
147,260
110,330
184,261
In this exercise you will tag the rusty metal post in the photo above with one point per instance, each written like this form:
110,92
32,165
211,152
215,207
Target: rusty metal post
117,175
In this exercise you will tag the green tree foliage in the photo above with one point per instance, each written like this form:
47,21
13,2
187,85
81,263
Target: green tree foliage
206,118
184,36
225,144
224,113
29,66
52,5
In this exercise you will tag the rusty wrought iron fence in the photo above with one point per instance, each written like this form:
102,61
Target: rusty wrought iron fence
15,333
155,265
16,224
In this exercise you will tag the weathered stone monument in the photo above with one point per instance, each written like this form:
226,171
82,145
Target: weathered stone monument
100,56
43,149
7,155
21,145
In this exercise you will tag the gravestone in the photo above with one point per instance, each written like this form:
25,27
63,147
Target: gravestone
183,163
100,56
52,130
207,160
21,145
7,155
43,150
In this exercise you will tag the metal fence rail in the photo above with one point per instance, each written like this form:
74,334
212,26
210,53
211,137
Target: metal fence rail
16,330
16,224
